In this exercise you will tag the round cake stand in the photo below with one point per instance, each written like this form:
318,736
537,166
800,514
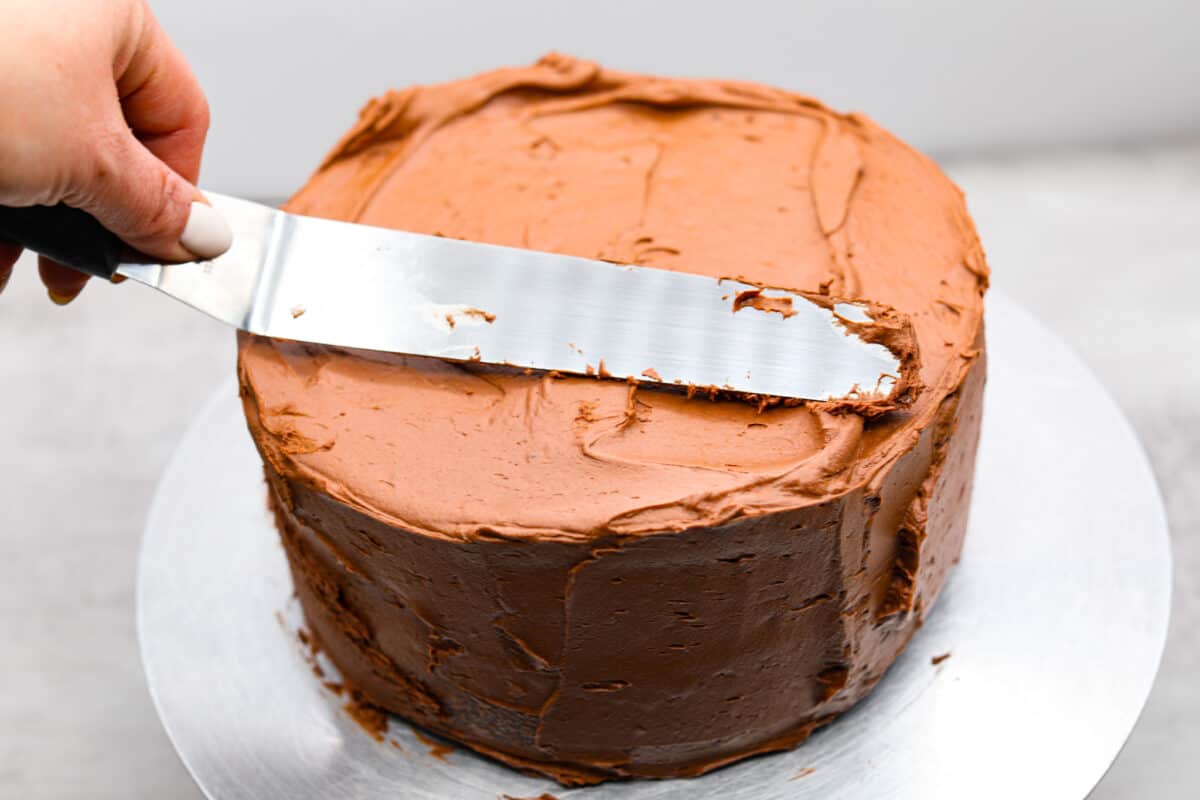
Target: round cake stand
1054,623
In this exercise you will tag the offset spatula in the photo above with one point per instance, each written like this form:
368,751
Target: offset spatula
294,277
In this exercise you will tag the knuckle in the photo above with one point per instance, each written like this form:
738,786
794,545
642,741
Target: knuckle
164,220
95,168
203,115
138,197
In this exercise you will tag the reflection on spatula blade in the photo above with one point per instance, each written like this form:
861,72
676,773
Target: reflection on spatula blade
337,283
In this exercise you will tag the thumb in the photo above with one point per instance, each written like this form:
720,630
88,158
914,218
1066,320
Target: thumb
150,206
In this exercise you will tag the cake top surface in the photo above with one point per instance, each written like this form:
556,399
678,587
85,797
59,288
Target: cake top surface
714,177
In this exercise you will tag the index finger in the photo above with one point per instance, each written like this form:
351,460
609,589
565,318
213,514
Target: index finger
161,98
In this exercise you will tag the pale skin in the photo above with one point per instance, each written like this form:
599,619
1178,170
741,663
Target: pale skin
98,110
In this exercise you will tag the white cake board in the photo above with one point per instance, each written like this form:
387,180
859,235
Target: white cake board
1055,621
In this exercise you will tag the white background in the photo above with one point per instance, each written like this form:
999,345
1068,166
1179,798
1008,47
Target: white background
286,77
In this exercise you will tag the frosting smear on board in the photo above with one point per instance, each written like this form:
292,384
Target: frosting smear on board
591,579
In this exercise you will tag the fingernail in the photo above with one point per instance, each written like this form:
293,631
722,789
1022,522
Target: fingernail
207,234
61,299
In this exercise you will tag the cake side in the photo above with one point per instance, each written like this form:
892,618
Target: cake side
655,656
595,581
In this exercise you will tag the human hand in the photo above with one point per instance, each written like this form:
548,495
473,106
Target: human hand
100,111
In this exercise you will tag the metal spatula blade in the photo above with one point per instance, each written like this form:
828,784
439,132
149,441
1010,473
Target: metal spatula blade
355,286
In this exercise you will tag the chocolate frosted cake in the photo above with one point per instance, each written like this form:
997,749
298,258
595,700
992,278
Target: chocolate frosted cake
595,585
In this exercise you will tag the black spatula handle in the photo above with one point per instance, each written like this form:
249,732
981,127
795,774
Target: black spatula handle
65,234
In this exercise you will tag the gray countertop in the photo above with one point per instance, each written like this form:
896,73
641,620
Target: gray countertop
1103,245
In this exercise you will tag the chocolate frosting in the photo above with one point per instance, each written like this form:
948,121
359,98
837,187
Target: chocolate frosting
594,580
